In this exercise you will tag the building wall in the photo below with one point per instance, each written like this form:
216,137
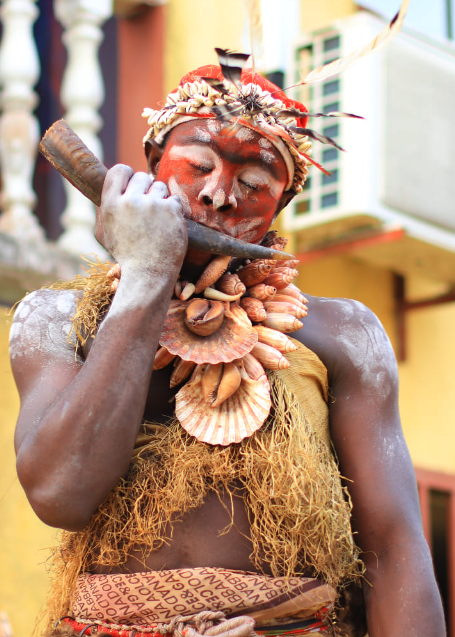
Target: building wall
194,29
427,381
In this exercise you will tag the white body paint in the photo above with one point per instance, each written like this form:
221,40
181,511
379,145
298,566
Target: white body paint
366,345
42,324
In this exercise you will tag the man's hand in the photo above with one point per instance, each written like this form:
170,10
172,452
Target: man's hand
139,223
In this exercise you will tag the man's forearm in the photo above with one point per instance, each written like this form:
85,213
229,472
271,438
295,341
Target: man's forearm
93,422
401,593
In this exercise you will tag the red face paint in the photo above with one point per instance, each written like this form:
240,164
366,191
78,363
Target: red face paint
231,182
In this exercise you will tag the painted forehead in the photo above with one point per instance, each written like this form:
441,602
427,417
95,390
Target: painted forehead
239,140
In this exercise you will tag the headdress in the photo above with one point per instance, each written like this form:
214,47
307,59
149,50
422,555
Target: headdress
243,97
231,93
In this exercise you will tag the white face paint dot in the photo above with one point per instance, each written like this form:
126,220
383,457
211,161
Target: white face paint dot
213,125
264,143
244,134
267,157
202,134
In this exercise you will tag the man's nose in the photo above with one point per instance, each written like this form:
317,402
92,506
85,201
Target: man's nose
218,199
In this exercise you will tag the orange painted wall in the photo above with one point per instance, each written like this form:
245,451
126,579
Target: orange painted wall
140,80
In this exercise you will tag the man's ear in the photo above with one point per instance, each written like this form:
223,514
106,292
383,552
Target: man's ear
153,152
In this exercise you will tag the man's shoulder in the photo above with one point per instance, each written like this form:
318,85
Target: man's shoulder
345,334
42,322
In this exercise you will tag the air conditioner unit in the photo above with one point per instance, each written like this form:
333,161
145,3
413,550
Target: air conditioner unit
398,170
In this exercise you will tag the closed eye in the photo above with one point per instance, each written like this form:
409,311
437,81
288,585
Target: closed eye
202,169
248,185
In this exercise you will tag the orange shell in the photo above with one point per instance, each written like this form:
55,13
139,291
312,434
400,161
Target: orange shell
285,308
254,308
232,340
236,418
204,317
293,290
230,284
282,322
262,292
255,272
278,280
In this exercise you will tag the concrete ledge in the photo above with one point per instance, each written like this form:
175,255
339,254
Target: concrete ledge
25,266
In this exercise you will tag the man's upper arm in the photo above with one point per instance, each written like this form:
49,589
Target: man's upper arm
42,359
367,434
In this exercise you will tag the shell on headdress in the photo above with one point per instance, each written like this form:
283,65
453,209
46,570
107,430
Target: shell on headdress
233,339
238,417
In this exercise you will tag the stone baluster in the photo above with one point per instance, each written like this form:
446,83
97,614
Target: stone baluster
19,130
82,94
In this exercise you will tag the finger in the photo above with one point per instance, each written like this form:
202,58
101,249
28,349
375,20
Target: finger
159,190
117,178
139,182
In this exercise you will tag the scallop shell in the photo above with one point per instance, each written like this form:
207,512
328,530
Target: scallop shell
238,417
232,340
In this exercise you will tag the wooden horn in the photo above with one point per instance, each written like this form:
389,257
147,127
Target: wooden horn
70,156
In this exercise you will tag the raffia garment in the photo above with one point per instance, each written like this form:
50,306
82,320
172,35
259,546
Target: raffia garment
298,510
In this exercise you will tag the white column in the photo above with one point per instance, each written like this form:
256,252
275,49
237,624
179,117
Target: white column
82,94
19,131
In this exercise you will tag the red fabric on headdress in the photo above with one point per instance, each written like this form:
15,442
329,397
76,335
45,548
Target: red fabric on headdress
214,71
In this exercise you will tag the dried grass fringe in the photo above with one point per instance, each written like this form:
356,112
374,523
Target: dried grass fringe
299,511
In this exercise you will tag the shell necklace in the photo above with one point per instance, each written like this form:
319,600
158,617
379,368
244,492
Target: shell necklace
221,343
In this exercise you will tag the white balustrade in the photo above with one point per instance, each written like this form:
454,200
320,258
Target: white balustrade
82,94
19,131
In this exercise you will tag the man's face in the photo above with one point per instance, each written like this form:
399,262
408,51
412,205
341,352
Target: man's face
230,179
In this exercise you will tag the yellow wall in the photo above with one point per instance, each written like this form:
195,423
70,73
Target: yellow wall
23,580
316,14
427,391
427,379
194,29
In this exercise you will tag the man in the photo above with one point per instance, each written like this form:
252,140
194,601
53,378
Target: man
81,416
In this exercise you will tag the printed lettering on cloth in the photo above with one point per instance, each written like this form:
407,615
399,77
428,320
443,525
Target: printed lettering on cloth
143,598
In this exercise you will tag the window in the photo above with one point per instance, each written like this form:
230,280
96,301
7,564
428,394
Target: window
331,131
330,179
331,43
329,200
332,106
329,88
330,154
303,206
437,501
321,192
